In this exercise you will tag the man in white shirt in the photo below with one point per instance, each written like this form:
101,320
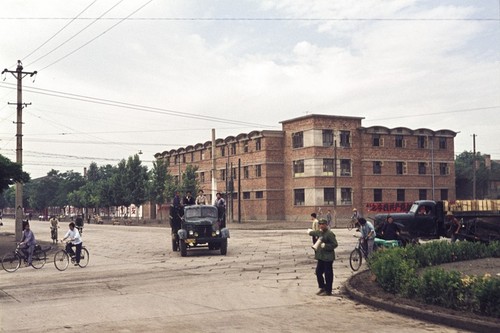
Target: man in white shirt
75,240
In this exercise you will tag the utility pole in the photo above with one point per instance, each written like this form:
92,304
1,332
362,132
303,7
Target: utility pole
473,166
19,74
335,176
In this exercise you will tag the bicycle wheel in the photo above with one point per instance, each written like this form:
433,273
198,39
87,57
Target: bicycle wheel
38,259
84,258
61,260
11,262
355,259
350,225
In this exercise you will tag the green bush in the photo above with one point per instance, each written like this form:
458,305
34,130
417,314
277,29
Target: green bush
395,270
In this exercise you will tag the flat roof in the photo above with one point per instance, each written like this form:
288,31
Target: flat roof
321,116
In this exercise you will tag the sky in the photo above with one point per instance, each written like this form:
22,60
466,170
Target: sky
119,77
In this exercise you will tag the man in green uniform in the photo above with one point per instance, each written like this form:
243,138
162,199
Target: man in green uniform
325,255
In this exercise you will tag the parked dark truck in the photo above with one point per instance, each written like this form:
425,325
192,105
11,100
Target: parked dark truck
201,226
480,220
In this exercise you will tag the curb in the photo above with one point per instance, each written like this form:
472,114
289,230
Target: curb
422,314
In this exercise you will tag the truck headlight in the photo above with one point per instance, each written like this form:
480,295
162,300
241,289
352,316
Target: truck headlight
191,232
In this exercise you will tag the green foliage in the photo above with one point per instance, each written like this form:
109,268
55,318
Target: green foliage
11,173
464,163
396,271
189,180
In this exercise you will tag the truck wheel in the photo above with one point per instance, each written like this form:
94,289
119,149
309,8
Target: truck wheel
223,247
183,247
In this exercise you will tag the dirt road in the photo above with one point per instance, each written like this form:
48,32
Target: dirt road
135,283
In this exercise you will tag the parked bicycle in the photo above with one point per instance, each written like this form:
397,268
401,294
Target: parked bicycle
12,260
63,258
360,251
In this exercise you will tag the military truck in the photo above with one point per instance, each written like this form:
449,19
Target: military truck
480,220
200,226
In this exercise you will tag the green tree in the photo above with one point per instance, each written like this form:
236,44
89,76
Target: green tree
464,175
158,183
136,180
189,180
11,173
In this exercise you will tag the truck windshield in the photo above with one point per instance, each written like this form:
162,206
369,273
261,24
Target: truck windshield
414,208
203,211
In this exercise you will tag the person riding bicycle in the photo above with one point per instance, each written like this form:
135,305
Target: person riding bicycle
28,243
75,240
54,225
367,234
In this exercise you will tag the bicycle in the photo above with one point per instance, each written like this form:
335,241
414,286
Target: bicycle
62,259
356,257
352,224
12,261
53,234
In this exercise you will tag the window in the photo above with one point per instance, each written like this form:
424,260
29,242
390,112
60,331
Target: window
232,147
329,195
259,194
298,167
258,145
421,141
345,167
222,151
346,196
298,140
399,168
377,195
245,147
223,174
246,172
422,194
327,138
258,171
246,195
192,156
328,166
444,194
377,167
400,194
443,169
422,168
345,139
167,161
377,141
399,143
202,177
175,159
442,143
234,173
183,158
298,197
202,155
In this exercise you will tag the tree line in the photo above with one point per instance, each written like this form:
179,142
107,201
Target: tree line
128,182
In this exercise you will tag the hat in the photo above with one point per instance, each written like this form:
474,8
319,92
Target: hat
322,221
449,213
354,209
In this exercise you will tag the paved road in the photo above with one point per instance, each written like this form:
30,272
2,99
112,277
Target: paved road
134,283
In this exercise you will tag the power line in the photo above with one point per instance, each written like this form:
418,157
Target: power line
144,108
306,19
79,32
60,30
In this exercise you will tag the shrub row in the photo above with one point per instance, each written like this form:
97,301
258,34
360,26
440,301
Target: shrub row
397,270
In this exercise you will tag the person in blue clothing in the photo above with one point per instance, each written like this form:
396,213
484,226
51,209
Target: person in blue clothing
28,242
367,234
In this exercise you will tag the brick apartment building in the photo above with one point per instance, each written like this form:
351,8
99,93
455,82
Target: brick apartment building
323,161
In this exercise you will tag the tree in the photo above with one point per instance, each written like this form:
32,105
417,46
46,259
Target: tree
136,180
11,173
464,175
189,180
158,183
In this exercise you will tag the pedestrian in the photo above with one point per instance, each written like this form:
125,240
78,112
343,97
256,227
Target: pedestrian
329,218
390,230
28,242
314,226
201,199
367,234
188,199
454,226
220,203
325,255
54,225
75,240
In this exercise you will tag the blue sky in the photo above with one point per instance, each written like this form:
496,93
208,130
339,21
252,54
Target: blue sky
433,64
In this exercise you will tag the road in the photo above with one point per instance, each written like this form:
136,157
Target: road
135,283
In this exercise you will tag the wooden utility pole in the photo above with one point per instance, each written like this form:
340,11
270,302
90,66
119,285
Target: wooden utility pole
473,166
19,74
